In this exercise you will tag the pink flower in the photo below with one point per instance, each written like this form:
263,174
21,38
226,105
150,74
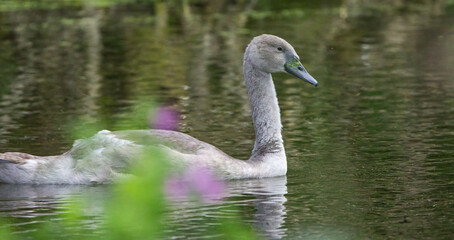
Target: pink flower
165,118
195,180
176,188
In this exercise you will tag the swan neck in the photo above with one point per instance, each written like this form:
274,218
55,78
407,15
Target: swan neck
265,110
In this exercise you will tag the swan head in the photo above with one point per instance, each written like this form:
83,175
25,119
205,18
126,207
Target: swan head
273,54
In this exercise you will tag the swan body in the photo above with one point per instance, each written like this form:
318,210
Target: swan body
107,155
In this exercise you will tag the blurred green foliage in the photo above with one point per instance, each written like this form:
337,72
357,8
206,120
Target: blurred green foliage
265,5
138,208
14,5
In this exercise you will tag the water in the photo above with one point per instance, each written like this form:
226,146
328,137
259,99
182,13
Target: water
370,151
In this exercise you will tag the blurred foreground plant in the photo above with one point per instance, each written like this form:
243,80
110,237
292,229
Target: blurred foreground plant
196,181
139,206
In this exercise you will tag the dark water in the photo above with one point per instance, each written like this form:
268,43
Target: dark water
370,151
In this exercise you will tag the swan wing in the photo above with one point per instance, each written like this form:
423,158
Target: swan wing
176,141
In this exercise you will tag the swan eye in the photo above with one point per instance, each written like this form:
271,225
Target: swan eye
279,48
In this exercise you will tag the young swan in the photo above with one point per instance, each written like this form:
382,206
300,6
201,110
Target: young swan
107,155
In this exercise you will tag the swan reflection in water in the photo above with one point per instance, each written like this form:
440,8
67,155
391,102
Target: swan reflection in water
265,196
269,202
26,205
29,204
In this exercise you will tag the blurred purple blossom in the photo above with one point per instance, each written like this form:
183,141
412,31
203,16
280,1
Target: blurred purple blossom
176,188
196,180
165,118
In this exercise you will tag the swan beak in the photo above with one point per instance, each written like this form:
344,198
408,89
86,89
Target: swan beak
294,67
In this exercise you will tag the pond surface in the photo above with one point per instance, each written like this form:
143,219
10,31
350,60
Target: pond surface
370,151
